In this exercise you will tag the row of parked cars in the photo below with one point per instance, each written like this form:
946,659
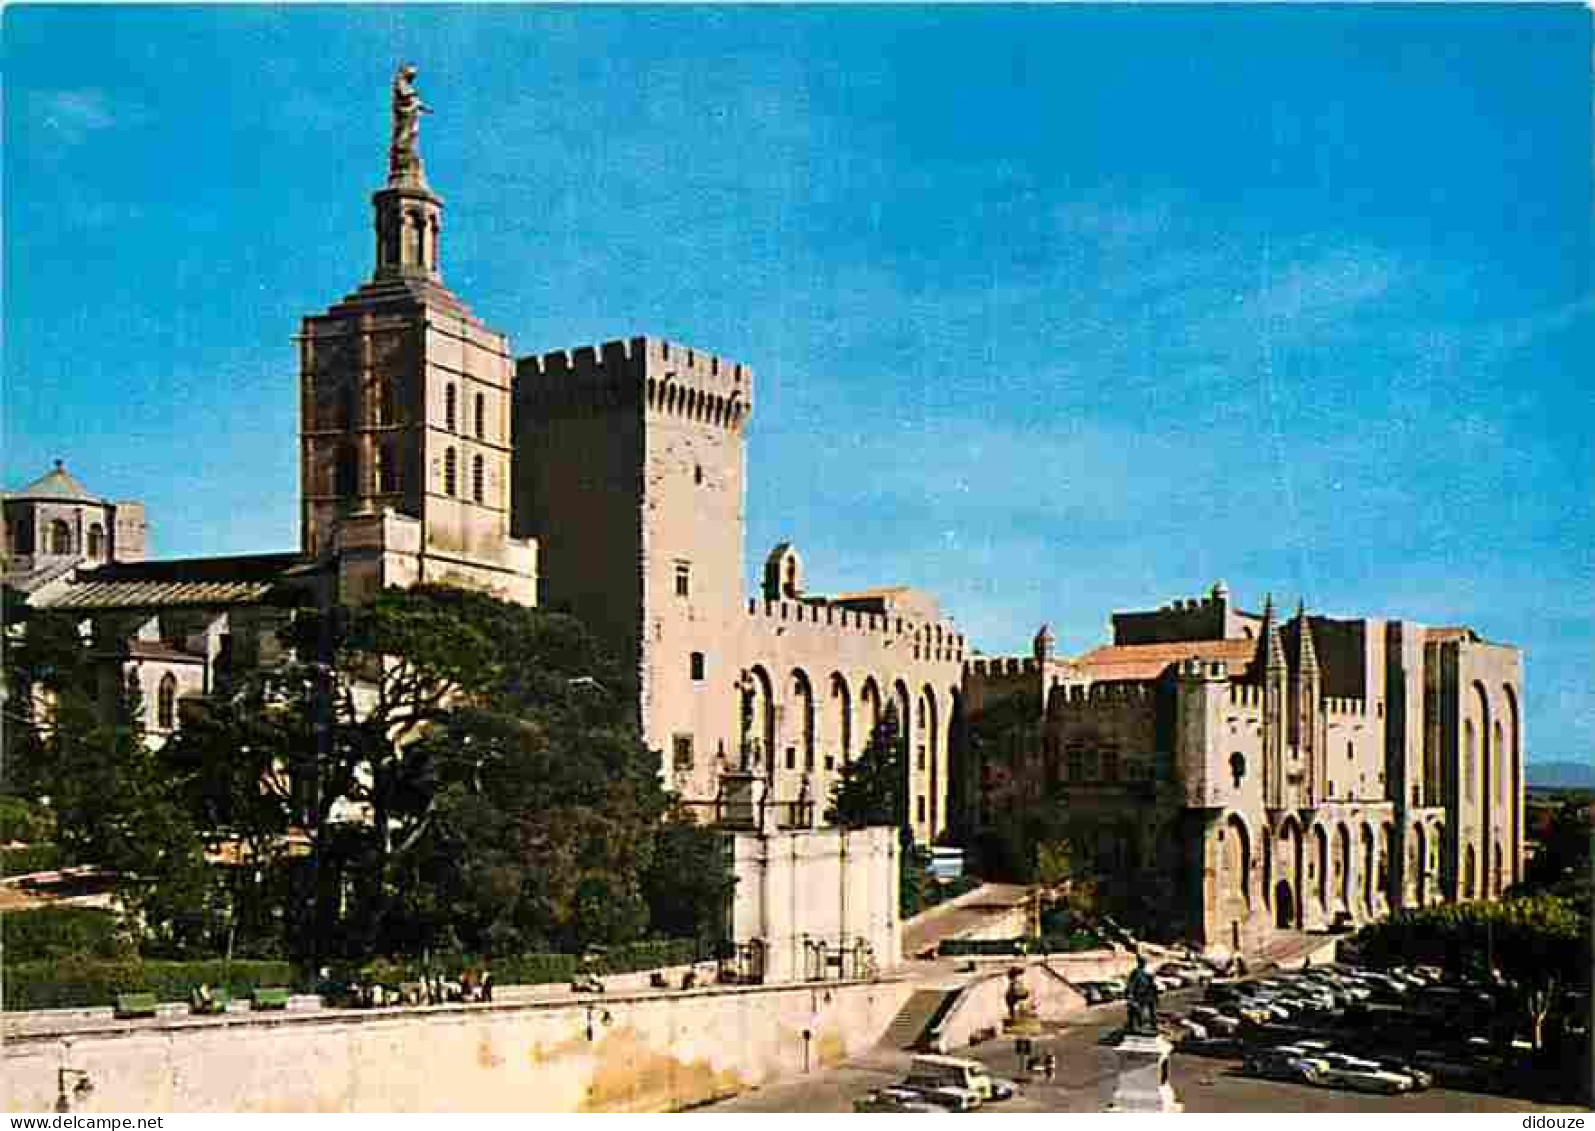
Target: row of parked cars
1317,1062
940,1084
1170,976
1238,1014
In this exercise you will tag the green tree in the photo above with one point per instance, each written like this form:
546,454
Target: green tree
872,789
1538,943
689,884
79,748
467,771
1564,853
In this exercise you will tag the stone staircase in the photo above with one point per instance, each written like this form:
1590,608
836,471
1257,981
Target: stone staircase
918,1013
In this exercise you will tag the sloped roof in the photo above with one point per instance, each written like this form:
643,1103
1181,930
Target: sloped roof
177,582
37,579
58,485
1148,661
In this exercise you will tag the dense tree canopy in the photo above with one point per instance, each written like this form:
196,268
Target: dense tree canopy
1538,945
75,748
435,770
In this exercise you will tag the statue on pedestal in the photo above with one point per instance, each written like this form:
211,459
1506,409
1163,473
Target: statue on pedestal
1022,1020
404,155
1140,999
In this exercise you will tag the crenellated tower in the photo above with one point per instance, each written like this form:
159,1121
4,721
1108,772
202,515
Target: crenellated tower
630,466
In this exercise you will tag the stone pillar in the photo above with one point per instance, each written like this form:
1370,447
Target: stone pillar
1137,1079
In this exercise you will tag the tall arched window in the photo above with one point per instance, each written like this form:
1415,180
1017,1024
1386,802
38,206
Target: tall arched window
387,402
1470,761
60,537
451,407
481,416
387,468
346,477
478,475
96,541
451,473
166,703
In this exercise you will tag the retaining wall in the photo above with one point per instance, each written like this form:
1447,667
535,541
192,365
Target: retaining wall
982,1005
658,1052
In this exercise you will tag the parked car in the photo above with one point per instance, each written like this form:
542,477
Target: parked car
897,1100
1284,1063
1422,1079
1358,1075
959,1074
1229,1047
1216,1023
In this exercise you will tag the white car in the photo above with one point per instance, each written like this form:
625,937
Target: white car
1215,1022
1364,1075
895,1100
1364,1080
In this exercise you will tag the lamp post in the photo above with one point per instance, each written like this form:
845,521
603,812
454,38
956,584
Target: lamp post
82,1089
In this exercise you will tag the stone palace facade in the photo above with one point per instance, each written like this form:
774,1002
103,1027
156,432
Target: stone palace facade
1255,774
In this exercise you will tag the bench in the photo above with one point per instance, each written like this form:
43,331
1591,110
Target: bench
270,997
135,1005
216,1002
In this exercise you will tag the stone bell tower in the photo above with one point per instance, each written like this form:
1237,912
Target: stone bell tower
405,410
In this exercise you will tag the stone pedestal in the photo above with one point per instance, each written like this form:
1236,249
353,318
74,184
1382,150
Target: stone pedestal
1138,1076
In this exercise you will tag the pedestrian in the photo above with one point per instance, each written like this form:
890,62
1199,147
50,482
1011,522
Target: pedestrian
487,985
1052,1066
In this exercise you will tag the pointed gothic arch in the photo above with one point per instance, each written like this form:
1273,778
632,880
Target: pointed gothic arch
842,712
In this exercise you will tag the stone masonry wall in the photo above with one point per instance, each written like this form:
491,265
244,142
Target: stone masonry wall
656,1053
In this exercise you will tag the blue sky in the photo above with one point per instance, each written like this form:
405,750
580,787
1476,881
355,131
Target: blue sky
1055,310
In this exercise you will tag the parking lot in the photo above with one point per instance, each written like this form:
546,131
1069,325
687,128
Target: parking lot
1202,1084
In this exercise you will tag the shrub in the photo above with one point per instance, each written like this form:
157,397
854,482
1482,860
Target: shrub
43,933
24,821
33,858
534,969
84,982
1068,943
957,948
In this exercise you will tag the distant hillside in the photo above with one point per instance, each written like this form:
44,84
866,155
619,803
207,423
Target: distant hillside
1561,775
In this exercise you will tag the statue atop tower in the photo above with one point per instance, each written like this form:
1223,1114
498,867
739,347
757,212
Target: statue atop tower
404,154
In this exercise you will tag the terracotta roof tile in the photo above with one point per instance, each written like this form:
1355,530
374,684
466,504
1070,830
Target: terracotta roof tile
1148,661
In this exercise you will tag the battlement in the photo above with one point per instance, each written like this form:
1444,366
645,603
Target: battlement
676,380
1197,668
1246,695
1001,667
928,642
1355,707
1210,616
1098,694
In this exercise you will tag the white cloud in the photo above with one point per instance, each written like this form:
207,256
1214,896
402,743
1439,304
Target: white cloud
69,118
